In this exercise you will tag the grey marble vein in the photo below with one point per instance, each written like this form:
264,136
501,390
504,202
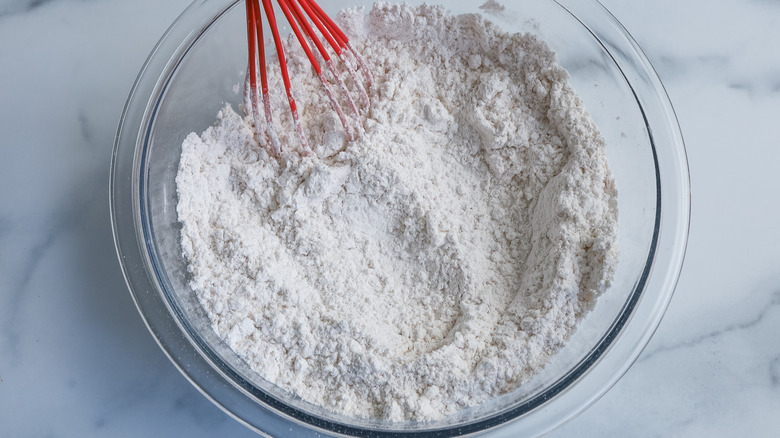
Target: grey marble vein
10,7
18,288
84,125
770,308
774,371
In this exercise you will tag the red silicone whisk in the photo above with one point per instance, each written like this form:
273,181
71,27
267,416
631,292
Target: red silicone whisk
307,20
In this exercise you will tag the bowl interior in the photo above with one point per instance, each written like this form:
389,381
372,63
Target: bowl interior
208,71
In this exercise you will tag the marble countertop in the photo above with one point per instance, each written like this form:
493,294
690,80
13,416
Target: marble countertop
77,361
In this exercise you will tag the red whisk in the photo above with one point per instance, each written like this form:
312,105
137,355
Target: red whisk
301,14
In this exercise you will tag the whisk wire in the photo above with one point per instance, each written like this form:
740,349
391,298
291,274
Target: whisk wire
301,18
290,8
264,81
269,14
250,84
342,39
337,48
296,13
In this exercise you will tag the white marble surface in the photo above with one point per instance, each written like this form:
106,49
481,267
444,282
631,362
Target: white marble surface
76,360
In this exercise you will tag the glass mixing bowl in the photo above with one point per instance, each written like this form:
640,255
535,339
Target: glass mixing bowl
191,73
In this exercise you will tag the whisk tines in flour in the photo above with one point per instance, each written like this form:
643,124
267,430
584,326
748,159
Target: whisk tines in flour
308,22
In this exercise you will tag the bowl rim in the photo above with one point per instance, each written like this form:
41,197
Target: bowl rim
133,236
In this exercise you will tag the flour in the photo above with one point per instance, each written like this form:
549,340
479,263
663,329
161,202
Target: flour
438,261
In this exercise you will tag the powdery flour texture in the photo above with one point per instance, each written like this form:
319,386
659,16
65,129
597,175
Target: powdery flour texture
436,262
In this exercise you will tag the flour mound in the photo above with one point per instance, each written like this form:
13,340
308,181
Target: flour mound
438,261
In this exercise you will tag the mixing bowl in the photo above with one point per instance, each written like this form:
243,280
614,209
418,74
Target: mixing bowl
194,70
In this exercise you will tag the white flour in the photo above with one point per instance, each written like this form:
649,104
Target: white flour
438,261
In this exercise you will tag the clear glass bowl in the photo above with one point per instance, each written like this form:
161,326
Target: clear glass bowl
192,72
